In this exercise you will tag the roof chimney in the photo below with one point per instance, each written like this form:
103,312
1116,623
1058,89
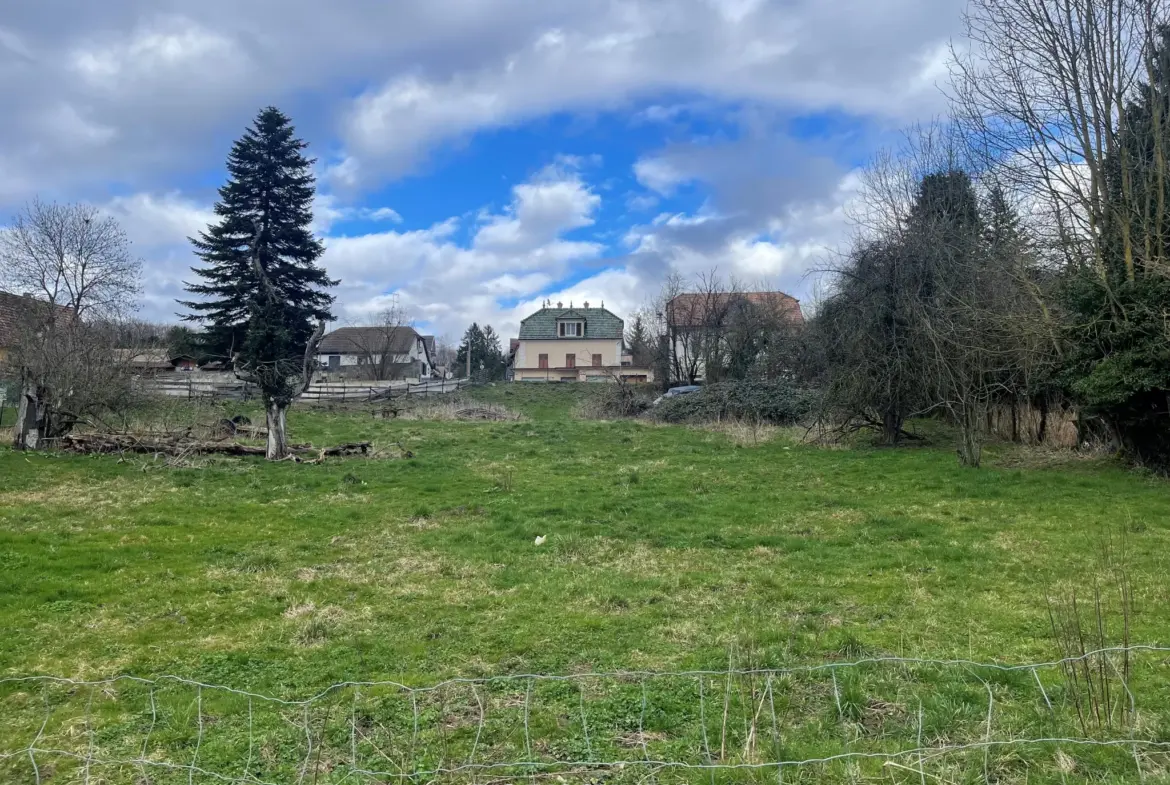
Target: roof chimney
586,303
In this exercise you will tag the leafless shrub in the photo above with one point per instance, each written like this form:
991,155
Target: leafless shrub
1084,626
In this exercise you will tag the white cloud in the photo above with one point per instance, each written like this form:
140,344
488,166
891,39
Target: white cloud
158,221
156,51
65,124
14,44
327,212
807,53
514,253
116,92
554,202
658,175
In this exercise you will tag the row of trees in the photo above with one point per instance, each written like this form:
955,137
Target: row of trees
934,309
1018,252
1012,256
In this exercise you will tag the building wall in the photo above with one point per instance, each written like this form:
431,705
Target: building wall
687,352
350,360
556,374
582,374
529,351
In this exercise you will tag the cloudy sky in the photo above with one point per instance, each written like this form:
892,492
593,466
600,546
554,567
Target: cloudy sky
478,156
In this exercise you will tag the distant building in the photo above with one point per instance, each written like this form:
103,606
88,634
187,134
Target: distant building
155,361
559,344
698,322
16,313
381,353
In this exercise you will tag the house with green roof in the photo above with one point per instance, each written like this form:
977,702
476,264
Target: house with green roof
573,344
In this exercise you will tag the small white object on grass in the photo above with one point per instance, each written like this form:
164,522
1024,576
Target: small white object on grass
540,540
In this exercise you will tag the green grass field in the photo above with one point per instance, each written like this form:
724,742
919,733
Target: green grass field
668,549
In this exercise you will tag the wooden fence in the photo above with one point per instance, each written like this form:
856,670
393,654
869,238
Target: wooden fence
220,389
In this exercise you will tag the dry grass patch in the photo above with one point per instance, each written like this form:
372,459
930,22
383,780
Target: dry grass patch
744,433
109,493
1048,457
458,411
300,609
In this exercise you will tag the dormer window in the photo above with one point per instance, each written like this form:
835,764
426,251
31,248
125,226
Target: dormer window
570,329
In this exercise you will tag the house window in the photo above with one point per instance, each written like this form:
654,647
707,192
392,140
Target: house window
542,362
570,361
571,329
597,361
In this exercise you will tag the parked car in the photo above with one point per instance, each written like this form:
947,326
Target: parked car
674,392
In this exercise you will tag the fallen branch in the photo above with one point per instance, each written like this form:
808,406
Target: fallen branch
179,447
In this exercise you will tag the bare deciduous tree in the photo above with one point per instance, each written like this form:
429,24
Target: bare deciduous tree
70,374
718,328
1068,104
379,346
1043,92
70,255
82,281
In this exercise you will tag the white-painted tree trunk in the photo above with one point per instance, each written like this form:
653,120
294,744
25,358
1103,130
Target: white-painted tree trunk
277,432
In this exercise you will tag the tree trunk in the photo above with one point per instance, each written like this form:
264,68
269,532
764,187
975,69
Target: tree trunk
970,438
277,449
1015,421
891,428
1043,431
26,434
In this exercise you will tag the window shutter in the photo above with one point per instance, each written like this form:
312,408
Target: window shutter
543,362
597,361
570,361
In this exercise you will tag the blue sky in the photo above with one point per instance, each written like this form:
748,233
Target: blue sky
478,156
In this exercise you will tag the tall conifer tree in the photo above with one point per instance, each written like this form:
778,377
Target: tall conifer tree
270,185
262,296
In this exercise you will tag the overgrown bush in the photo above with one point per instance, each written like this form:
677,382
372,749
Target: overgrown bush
773,401
617,400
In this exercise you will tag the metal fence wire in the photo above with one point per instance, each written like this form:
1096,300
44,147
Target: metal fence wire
1101,716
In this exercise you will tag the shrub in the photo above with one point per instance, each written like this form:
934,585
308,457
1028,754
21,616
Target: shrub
773,401
613,401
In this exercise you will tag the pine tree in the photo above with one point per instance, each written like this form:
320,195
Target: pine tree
263,296
270,185
488,361
638,342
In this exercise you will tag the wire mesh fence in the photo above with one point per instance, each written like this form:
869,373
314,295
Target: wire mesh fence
888,718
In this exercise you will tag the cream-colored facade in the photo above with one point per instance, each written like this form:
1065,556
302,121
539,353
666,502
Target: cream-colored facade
556,359
593,361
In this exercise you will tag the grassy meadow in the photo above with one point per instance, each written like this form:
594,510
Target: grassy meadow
668,549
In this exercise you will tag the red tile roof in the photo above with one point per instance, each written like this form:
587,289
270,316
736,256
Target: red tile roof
14,309
691,310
